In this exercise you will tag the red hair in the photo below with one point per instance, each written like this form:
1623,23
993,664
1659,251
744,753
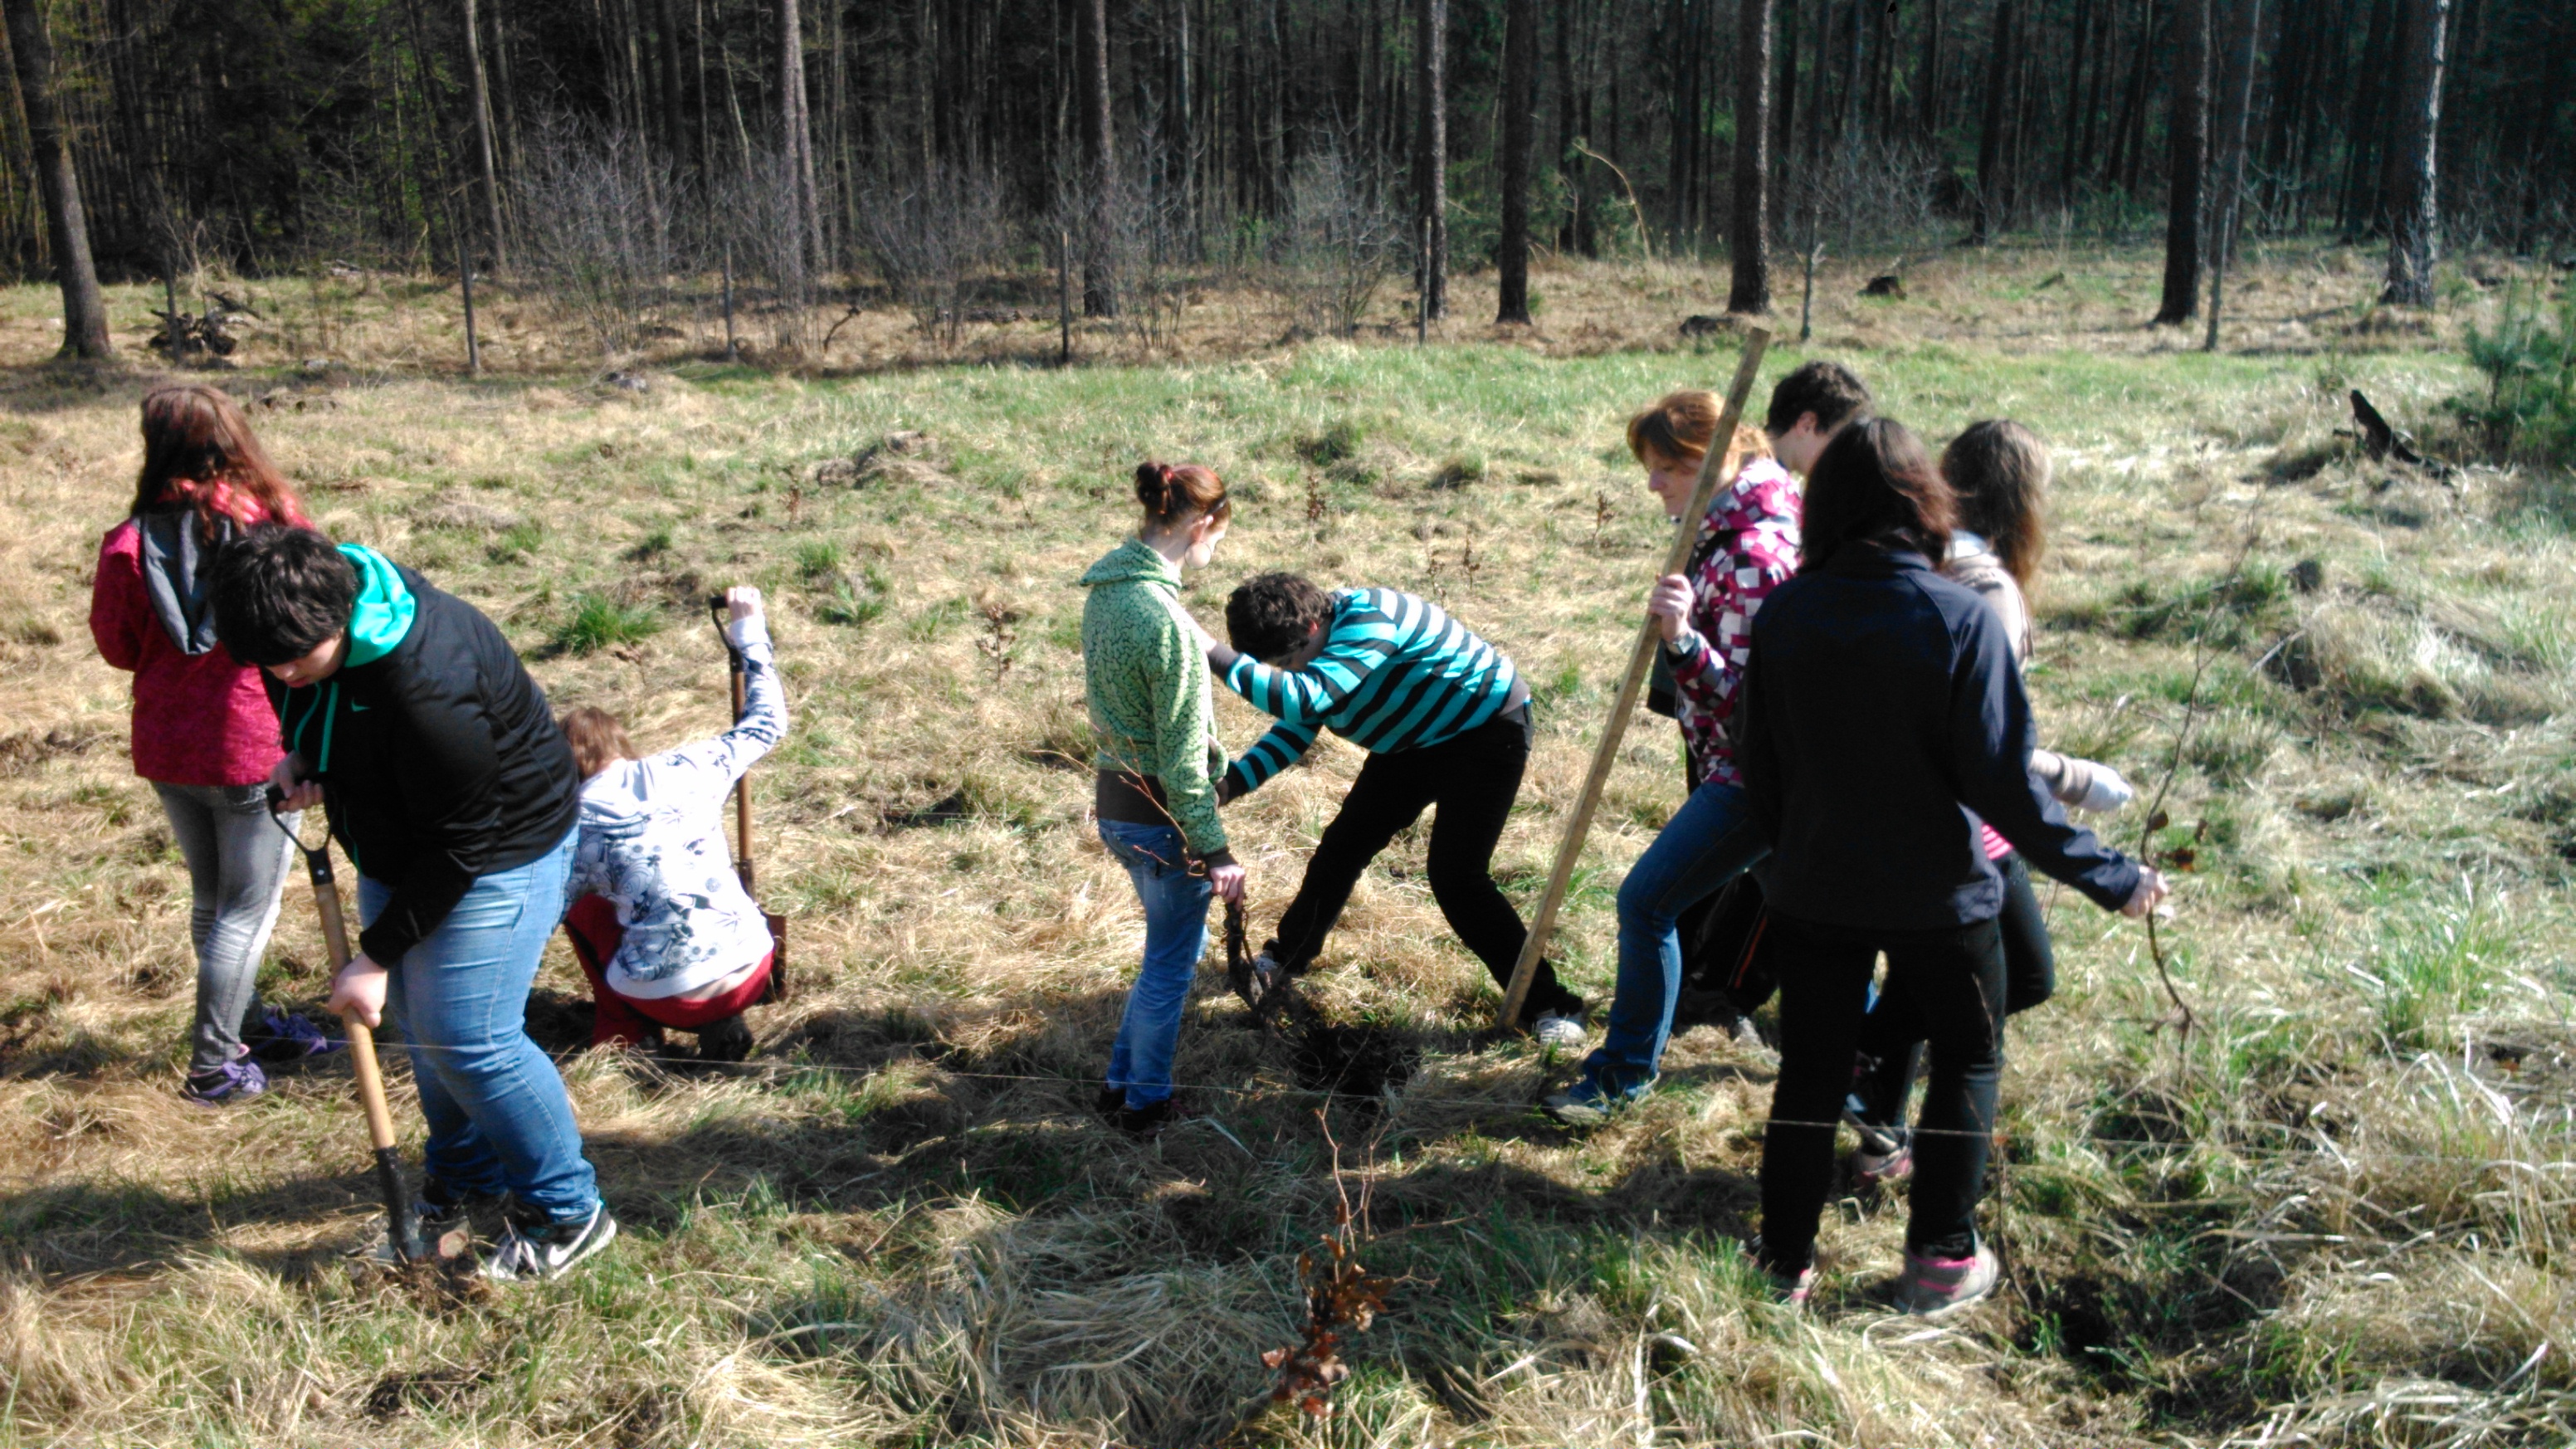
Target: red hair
199,453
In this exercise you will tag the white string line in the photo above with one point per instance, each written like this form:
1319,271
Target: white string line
771,1072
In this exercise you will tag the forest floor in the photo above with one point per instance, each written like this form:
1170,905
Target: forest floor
2337,1211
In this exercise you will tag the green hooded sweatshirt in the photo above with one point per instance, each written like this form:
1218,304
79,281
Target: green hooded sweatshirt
1147,685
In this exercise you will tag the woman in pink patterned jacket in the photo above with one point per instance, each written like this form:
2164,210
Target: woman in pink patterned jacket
1747,546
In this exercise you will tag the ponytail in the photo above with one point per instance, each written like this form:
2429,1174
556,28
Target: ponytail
1173,496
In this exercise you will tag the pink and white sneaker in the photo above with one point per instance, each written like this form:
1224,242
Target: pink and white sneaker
1930,1287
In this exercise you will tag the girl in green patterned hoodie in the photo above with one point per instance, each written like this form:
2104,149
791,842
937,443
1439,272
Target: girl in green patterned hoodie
1145,679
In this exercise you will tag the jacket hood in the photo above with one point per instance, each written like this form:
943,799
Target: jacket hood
383,614
1133,562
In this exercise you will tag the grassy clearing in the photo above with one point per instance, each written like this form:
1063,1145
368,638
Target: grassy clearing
2339,1210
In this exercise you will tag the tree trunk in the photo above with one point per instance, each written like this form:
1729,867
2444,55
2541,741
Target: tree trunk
798,139
1748,240
1784,130
1431,153
1993,132
1099,287
84,311
2073,130
2235,116
1520,101
2414,211
2183,222
1929,77
482,101
2361,125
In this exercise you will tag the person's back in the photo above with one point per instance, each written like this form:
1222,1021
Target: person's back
652,842
1857,673
1392,671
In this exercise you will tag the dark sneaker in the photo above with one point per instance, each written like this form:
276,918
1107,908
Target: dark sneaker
1147,1123
1109,1103
1587,1104
288,1036
237,1081
532,1252
1930,1287
728,1040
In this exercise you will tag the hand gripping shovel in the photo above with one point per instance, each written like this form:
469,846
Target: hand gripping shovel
777,987
402,1226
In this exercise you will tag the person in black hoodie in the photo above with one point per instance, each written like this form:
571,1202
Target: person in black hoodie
406,712
1883,719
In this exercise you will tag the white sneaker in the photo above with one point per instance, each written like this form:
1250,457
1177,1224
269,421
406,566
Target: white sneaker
531,1252
1559,1033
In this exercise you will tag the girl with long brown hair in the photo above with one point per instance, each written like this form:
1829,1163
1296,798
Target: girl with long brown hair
202,730
1883,720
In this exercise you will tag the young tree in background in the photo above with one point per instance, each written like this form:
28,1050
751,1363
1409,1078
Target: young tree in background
1099,290
2414,211
1749,228
1520,104
482,101
2235,115
84,311
1431,153
2190,159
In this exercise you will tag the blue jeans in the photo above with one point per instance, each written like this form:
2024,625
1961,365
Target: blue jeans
1706,843
1176,905
498,1114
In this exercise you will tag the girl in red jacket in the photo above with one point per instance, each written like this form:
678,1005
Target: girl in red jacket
203,732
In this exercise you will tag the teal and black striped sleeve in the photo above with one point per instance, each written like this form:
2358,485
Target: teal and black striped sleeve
1275,751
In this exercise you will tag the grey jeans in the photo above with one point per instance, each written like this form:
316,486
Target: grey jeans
237,865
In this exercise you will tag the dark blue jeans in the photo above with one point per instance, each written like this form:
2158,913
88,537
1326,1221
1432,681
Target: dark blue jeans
1706,844
498,1114
1176,903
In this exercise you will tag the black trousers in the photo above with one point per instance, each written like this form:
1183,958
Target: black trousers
1891,1040
1473,779
1953,982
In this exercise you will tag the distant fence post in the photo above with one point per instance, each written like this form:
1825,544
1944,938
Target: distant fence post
730,354
1064,295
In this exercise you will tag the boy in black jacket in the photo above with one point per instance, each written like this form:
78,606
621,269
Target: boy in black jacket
453,791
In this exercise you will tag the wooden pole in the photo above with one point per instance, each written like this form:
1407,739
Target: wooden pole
465,286
741,795
1064,295
1579,826
731,355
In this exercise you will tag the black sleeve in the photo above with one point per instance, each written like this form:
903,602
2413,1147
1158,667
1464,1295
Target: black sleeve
1991,735
451,796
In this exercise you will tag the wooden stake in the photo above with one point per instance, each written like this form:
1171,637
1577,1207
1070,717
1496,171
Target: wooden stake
1064,295
1579,826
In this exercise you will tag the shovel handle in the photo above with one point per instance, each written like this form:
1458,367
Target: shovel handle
402,1224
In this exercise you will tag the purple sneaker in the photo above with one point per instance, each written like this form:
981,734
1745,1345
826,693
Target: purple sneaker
287,1036
236,1081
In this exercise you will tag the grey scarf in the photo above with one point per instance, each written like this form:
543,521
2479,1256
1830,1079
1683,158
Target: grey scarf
176,562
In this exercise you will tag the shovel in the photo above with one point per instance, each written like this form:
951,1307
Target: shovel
776,990
402,1227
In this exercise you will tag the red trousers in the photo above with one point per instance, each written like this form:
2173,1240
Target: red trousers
592,925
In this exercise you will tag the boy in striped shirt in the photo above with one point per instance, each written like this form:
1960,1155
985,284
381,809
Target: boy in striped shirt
1445,719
